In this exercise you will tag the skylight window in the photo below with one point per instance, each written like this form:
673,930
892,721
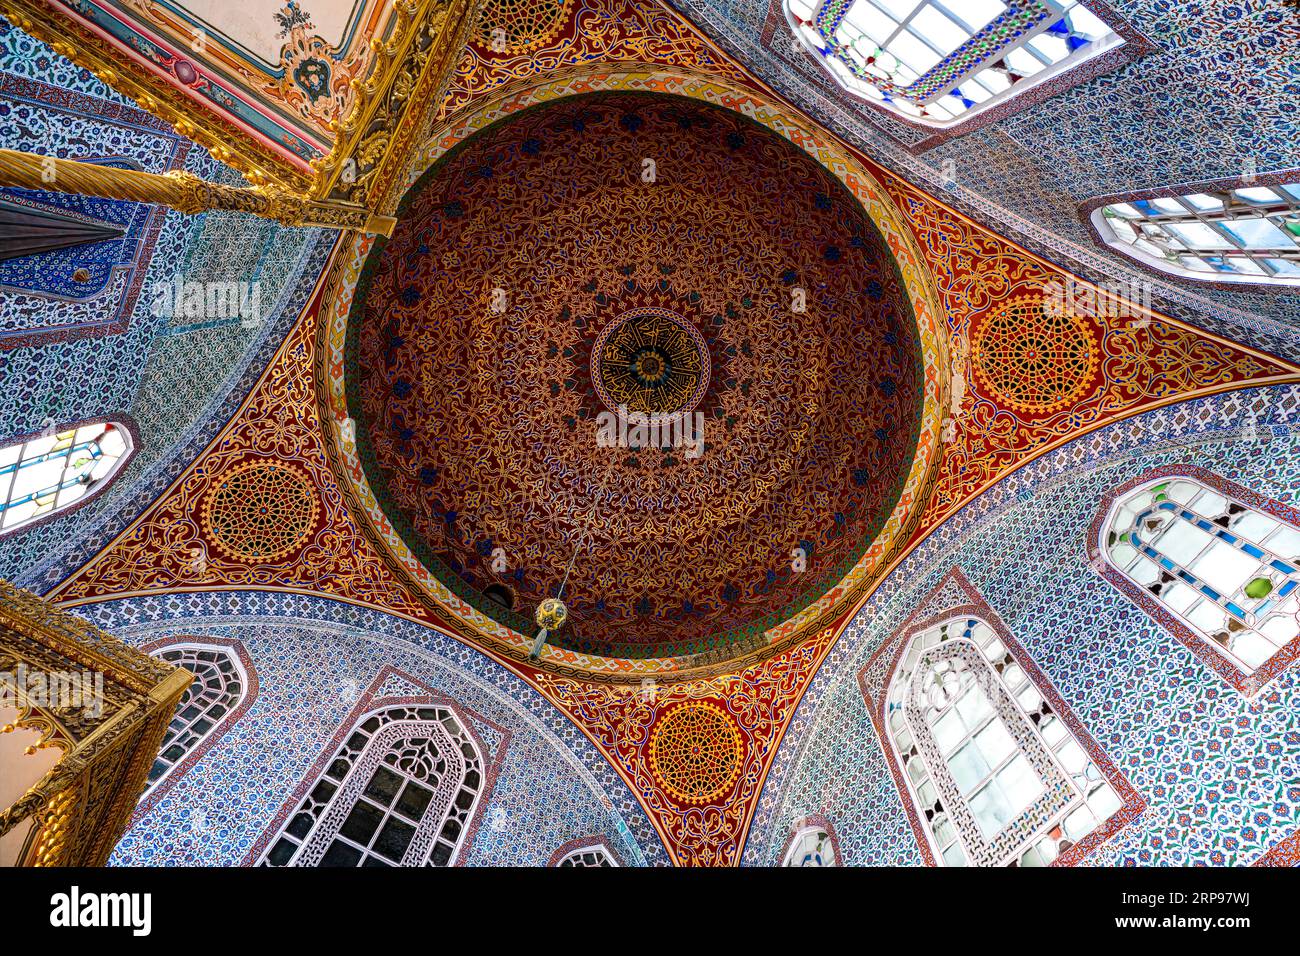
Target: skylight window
938,62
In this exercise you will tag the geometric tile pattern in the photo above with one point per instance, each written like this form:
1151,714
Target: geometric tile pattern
315,660
1220,773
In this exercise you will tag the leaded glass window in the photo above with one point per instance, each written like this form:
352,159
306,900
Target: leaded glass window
812,846
400,791
1247,234
588,856
1227,570
219,685
46,474
939,62
995,775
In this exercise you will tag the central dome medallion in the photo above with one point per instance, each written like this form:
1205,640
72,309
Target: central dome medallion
646,337
650,360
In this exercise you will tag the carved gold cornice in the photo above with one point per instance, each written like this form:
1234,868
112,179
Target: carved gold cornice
411,73
351,187
228,143
81,807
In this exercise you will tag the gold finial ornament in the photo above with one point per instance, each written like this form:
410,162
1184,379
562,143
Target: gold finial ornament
551,615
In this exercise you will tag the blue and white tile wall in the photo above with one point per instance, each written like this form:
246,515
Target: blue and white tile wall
1220,773
178,381
312,656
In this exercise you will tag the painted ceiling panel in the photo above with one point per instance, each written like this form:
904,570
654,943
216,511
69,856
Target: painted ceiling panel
279,73
257,29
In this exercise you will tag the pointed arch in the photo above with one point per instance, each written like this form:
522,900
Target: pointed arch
224,688
992,765
1226,233
590,851
813,842
59,469
403,789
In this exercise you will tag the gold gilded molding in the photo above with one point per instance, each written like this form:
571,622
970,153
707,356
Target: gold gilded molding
347,188
227,143
410,78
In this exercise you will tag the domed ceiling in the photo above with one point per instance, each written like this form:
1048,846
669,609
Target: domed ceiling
663,256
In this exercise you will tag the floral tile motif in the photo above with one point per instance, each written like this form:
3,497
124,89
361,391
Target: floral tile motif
1220,772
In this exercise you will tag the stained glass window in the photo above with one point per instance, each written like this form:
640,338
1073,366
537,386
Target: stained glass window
1229,571
996,776
56,469
400,791
939,62
1248,234
219,685
588,856
812,846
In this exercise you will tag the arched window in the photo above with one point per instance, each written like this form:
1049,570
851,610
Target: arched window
220,686
940,62
811,846
400,791
1223,565
1246,234
588,856
57,469
996,775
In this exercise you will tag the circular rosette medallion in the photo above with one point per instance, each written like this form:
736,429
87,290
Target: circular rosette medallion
518,26
260,511
696,752
1035,358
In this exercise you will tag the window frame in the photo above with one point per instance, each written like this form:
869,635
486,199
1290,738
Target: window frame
124,424
955,598
591,844
1092,215
154,793
1201,646
813,823
334,810
220,725
392,686
1126,45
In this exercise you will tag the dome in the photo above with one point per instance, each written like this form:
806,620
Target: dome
645,342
